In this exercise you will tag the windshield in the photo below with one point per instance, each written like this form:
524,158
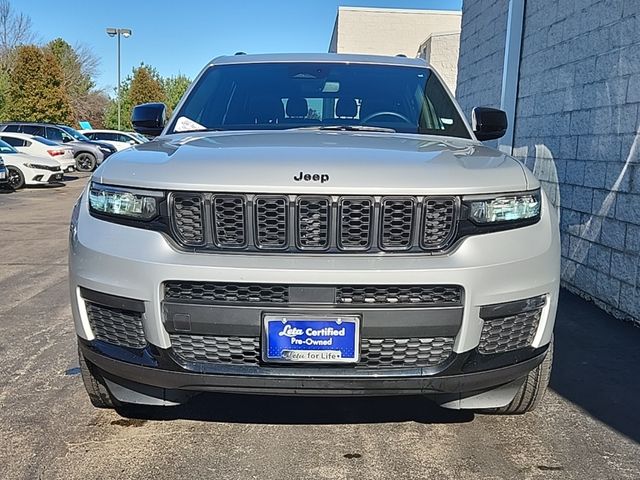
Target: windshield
320,95
6,148
74,133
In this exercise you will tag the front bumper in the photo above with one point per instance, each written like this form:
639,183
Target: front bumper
466,374
43,177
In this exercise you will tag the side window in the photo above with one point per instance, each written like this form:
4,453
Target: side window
90,136
33,130
122,138
14,142
109,137
54,134
12,128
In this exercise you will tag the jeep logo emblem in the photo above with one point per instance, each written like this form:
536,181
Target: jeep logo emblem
311,177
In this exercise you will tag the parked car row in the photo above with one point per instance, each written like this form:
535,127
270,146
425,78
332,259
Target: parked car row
40,153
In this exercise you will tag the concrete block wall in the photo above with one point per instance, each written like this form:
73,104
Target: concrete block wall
482,40
577,121
577,128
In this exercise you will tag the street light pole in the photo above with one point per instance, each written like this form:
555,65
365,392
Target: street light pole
118,32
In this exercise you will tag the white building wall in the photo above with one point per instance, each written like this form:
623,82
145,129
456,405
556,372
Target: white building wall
386,31
441,50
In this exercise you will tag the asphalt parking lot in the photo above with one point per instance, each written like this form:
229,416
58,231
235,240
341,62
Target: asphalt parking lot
589,426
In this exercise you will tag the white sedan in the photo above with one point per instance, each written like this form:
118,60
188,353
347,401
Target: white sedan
41,147
26,169
118,139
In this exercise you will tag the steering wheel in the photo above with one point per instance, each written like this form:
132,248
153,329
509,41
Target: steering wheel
382,114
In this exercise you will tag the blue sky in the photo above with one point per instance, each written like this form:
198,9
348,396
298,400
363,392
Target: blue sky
181,36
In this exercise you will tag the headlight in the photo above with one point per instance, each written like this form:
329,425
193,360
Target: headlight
126,203
505,209
37,166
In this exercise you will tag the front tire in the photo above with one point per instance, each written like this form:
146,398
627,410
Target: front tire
532,391
94,385
85,162
16,178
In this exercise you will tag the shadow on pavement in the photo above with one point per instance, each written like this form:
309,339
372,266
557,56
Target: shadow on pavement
283,410
597,364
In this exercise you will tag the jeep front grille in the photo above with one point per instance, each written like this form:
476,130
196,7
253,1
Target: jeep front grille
307,223
374,353
216,293
188,219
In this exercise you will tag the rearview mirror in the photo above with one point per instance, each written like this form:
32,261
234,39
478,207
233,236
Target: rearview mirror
488,123
149,118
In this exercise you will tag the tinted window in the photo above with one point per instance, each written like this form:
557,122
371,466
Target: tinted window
32,130
45,141
6,148
292,95
54,134
122,138
12,128
73,133
14,142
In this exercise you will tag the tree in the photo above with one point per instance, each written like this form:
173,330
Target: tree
142,86
174,88
36,91
15,30
78,66
146,86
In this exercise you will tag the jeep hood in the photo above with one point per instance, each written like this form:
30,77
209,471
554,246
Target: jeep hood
354,163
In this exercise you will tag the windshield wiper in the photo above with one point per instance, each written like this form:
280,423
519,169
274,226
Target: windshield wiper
346,128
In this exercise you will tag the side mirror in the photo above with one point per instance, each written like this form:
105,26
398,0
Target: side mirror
488,123
132,142
149,118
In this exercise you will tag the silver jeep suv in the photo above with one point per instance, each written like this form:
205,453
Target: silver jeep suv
315,225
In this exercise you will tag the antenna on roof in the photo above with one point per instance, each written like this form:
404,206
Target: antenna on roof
401,55
240,53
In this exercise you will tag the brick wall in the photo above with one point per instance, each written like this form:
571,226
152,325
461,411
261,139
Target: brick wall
577,128
482,39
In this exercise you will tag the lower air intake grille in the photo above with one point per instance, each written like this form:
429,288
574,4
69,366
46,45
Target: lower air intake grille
221,350
509,333
375,353
405,352
433,295
262,293
116,326
210,292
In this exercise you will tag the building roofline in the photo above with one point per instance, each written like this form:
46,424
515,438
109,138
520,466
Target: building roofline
400,10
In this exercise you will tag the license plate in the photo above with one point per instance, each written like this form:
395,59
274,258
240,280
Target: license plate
311,339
